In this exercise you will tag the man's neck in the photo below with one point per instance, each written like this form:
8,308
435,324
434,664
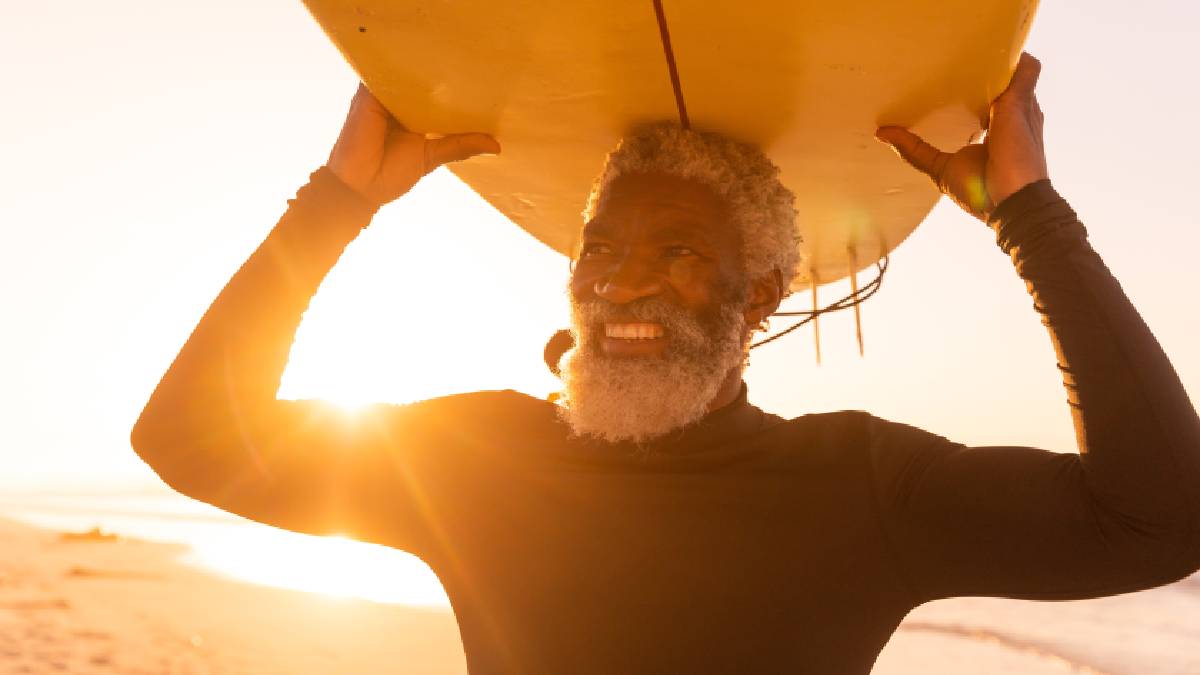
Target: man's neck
728,393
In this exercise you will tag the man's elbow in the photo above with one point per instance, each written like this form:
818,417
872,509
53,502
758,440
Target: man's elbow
154,433
168,452
1191,557
1177,569
1176,553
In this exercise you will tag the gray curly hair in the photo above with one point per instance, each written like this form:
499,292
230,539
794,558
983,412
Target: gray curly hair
760,206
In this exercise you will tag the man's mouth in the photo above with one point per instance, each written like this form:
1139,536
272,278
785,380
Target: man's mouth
633,331
633,339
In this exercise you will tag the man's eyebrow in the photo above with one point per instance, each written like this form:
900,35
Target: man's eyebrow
685,230
595,228
597,225
683,233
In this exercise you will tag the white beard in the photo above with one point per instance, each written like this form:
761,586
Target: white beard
640,398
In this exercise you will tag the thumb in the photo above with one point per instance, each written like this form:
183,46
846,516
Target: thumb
913,149
455,147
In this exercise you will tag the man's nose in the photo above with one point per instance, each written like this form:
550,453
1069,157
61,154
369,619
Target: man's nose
627,280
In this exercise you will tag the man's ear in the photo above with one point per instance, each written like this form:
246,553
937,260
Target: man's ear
766,293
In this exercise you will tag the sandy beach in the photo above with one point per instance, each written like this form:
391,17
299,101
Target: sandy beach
91,607
94,605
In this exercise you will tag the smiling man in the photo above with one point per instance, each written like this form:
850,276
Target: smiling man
688,239
656,521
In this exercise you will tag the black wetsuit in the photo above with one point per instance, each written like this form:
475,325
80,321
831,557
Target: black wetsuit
744,544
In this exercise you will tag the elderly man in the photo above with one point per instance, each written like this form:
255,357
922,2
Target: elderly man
654,521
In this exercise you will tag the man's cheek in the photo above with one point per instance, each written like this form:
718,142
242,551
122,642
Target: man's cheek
683,274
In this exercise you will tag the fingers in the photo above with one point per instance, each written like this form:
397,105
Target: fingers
913,149
366,124
455,147
1037,123
1025,77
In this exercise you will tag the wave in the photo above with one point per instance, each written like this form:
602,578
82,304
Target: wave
1042,650
101,510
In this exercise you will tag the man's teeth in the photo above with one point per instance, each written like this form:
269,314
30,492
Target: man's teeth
633,331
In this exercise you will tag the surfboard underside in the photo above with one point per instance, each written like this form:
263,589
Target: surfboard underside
559,84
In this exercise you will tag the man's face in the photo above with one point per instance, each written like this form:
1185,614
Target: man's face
656,236
658,300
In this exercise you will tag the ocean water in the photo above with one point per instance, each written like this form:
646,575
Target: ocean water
1155,632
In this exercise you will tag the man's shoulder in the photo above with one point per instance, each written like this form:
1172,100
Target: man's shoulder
860,429
494,413
492,405
836,422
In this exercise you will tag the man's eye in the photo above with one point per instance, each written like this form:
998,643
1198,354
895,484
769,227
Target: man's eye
591,250
679,251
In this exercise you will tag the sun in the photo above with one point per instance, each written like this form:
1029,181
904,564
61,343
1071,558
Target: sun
413,311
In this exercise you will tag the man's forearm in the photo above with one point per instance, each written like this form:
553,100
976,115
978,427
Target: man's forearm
232,364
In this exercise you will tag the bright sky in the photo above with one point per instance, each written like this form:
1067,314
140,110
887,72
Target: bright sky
148,147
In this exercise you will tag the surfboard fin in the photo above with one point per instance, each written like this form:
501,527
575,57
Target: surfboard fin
816,317
854,291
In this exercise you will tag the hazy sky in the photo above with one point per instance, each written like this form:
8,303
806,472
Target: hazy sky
148,147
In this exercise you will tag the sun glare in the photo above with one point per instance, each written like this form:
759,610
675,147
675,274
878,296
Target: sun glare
440,295
333,566
350,400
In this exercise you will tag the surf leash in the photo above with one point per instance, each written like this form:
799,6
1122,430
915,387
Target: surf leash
853,299
856,296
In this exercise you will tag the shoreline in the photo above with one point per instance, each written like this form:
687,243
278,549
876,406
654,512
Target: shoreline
236,548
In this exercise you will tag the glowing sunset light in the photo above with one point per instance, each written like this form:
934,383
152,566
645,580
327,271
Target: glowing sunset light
396,321
151,147
333,566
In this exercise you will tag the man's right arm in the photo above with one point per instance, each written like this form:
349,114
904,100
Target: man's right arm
214,430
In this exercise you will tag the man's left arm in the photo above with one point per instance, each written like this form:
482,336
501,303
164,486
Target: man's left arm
1124,513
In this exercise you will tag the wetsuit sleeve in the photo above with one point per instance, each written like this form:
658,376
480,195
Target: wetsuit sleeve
1121,515
214,430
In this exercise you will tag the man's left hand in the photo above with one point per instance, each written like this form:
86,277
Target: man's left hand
981,175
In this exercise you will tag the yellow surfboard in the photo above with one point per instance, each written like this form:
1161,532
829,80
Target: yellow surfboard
558,83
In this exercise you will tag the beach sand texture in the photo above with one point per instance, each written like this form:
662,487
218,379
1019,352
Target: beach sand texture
93,606
128,607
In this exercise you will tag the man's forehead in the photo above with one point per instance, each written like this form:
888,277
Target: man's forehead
664,188
676,206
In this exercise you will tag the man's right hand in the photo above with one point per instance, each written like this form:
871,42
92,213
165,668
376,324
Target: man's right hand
379,159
